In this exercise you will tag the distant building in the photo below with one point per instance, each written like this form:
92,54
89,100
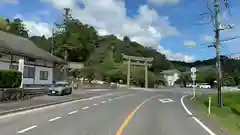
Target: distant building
171,76
39,64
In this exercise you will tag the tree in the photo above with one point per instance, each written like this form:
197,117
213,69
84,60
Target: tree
184,79
206,76
42,42
138,77
4,24
105,45
88,72
228,80
75,39
18,28
160,80
160,63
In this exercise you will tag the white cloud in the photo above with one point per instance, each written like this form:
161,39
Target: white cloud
175,56
162,2
190,43
207,38
36,28
110,17
18,16
14,2
61,3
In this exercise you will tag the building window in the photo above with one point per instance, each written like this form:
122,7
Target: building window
15,67
28,72
43,75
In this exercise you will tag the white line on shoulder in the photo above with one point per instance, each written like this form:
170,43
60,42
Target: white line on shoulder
196,119
184,106
204,126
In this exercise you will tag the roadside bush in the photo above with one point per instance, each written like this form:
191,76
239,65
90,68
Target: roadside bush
10,79
236,109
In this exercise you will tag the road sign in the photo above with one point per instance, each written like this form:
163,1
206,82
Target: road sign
226,26
193,77
193,69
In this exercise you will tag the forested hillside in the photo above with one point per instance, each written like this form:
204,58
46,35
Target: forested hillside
207,70
102,55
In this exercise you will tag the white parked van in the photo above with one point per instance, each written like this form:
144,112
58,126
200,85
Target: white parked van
204,86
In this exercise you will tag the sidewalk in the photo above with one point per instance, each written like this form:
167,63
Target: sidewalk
14,106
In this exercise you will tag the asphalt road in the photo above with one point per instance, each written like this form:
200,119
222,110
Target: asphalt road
117,113
45,99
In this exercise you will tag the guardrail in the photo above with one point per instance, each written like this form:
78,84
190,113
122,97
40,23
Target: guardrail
29,93
9,94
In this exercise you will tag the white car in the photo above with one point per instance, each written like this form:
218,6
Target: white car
189,85
204,86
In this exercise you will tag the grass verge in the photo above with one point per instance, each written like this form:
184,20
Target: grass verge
228,116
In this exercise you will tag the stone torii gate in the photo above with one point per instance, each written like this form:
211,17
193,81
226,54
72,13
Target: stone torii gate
142,61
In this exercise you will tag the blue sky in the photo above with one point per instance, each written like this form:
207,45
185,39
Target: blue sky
163,24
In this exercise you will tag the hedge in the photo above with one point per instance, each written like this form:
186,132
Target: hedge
10,78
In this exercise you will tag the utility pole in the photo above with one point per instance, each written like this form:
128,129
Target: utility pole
129,71
52,52
52,46
65,68
146,74
67,18
217,46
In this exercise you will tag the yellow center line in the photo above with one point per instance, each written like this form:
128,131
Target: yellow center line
124,124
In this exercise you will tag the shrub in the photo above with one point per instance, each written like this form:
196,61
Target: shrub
10,78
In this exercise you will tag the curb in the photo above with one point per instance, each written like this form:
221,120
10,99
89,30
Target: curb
39,106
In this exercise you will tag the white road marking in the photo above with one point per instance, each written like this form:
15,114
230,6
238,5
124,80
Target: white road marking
95,104
73,112
84,108
103,102
26,129
196,119
50,106
204,126
123,96
109,99
166,100
184,106
99,90
118,97
53,119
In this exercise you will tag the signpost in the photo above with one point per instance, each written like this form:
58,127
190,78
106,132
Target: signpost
21,69
193,76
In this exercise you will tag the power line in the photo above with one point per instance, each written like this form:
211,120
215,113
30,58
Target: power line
227,5
221,41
